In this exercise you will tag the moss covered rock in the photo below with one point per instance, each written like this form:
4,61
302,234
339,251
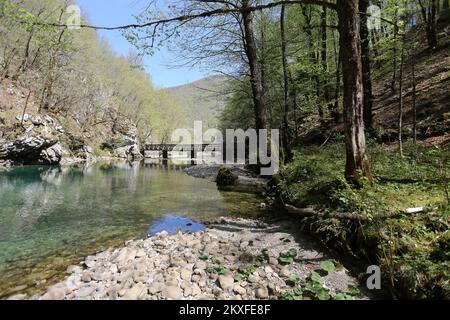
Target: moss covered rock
225,177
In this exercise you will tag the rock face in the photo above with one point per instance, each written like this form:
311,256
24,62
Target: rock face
38,145
131,149
32,150
128,152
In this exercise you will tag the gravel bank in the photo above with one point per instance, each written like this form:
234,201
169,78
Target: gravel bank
206,265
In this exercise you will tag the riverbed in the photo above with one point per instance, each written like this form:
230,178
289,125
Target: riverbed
54,216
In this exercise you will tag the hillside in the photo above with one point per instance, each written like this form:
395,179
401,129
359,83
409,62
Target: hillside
111,108
432,77
202,100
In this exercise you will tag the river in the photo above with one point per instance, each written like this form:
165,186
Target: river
52,217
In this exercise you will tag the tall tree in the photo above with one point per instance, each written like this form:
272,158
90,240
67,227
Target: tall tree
286,131
324,59
357,164
366,69
256,77
428,9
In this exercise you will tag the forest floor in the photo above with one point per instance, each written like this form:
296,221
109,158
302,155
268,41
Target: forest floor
413,250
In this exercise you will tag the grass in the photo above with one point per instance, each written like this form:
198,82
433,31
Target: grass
413,250
316,177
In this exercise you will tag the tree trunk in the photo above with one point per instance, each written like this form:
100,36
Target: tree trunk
259,98
262,65
286,130
335,111
414,99
312,56
25,107
446,4
367,74
394,67
324,55
400,105
429,14
357,165
432,33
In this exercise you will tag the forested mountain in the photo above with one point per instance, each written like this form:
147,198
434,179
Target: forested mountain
75,77
202,100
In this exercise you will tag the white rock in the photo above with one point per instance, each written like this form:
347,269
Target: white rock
226,282
239,290
124,255
196,291
253,278
20,296
201,265
136,292
172,293
185,274
54,294
74,269
155,288
262,293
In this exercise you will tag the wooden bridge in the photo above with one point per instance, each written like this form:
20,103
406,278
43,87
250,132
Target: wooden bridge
193,149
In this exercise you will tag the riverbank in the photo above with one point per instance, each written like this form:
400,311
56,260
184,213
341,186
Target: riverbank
243,180
400,223
234,259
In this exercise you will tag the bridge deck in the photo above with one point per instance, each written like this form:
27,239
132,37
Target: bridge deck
183,148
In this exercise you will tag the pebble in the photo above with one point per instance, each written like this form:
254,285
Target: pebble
253,278
172,293
20,296
54,294
226,282
169,267
136,292
155,288
262,293
185,274
239,290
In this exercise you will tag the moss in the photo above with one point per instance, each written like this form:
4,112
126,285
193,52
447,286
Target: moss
225,177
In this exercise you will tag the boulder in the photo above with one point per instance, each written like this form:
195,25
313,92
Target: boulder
127,152
37,121
32,150
25,117
172,293
137,292
226,282
52,155
225,177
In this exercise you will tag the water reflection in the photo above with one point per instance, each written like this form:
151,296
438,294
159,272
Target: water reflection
51,217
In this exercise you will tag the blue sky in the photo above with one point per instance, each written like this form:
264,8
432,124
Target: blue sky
119,12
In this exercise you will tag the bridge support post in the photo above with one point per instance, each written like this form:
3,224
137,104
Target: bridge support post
165,154
224,152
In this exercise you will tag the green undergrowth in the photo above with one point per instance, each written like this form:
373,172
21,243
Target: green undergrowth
411,249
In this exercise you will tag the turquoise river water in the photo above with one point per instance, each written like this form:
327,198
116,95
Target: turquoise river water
52,217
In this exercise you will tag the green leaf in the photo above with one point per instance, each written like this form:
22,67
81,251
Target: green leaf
328,266
354,291
342,296
315,277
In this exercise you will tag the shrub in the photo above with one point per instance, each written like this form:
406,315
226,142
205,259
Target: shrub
225,177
